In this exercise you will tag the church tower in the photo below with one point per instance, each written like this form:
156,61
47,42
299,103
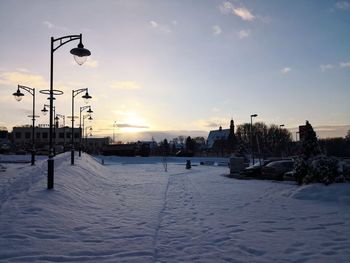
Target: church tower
232,127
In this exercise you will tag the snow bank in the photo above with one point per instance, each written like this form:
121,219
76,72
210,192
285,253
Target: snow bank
319,192
129,211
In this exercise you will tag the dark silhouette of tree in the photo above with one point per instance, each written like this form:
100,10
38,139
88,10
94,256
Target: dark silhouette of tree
190,145
310,146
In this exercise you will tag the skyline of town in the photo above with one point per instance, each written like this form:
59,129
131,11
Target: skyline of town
164,67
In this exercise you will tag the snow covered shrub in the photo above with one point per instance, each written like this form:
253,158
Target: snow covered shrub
323,169
301,169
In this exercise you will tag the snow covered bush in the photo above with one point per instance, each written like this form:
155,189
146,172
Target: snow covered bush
323,169
301,169
319,169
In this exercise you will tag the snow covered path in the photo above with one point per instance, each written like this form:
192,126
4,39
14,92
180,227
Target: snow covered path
133,211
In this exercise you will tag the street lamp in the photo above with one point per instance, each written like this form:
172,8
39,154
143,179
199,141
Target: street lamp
64,128
86,135
80,55
81,110
251,134
86,97
18,96
281,126
89,119
114,125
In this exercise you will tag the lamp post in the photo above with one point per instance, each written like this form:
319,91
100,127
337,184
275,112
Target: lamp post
86,129
251,134
84,117
80,55
86,97
81,110
64,128
44,111
114,124
18,96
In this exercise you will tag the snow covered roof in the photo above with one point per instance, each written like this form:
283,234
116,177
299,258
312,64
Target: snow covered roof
217,135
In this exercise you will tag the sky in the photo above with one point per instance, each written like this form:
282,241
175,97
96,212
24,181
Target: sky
181,66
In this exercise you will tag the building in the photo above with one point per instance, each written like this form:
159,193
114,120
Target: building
220,135
95,145
22,136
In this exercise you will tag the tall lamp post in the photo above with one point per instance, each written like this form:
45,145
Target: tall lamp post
81,110
86,97
18,96
251,134
84,117
64,129
86,134
80,55
44,111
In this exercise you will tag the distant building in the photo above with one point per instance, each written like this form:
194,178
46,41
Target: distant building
22,136
219,135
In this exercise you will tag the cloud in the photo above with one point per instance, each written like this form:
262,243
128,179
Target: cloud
49,25
242,12
216,30
92,63
326,67
127,125
286,70
127,85
23,78
160,27
344,5
244,34
344,64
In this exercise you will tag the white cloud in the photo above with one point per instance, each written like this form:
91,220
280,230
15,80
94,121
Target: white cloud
344,64
163,28
216,30
127,85
91,63
244,34
285,70
326,67
13,78
343,5
242,12
50,25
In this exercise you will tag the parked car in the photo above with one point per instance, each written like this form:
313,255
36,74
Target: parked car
254,170
276,170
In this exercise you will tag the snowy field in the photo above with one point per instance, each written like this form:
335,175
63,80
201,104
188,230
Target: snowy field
131,210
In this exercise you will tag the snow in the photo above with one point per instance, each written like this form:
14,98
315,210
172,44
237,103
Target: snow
131,210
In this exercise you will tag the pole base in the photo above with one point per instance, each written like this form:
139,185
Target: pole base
79,151
50,169
72,157
33,158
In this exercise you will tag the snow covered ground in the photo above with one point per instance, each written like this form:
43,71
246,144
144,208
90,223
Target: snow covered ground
130,210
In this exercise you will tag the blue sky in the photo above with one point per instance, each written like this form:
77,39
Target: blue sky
182,65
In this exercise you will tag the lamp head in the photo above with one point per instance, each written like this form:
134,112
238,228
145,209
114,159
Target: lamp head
90,118
44,111
89,111
80,53
18,95
254,115
86,97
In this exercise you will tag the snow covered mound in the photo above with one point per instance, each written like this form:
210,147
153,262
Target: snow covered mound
131,210
319,192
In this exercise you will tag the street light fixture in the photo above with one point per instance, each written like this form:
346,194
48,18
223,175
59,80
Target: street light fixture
81,110
64,128
18,96
251,134
80,56
86,134
86,97
281,126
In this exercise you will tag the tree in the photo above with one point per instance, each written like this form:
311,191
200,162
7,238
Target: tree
347,137
310,146
190,145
